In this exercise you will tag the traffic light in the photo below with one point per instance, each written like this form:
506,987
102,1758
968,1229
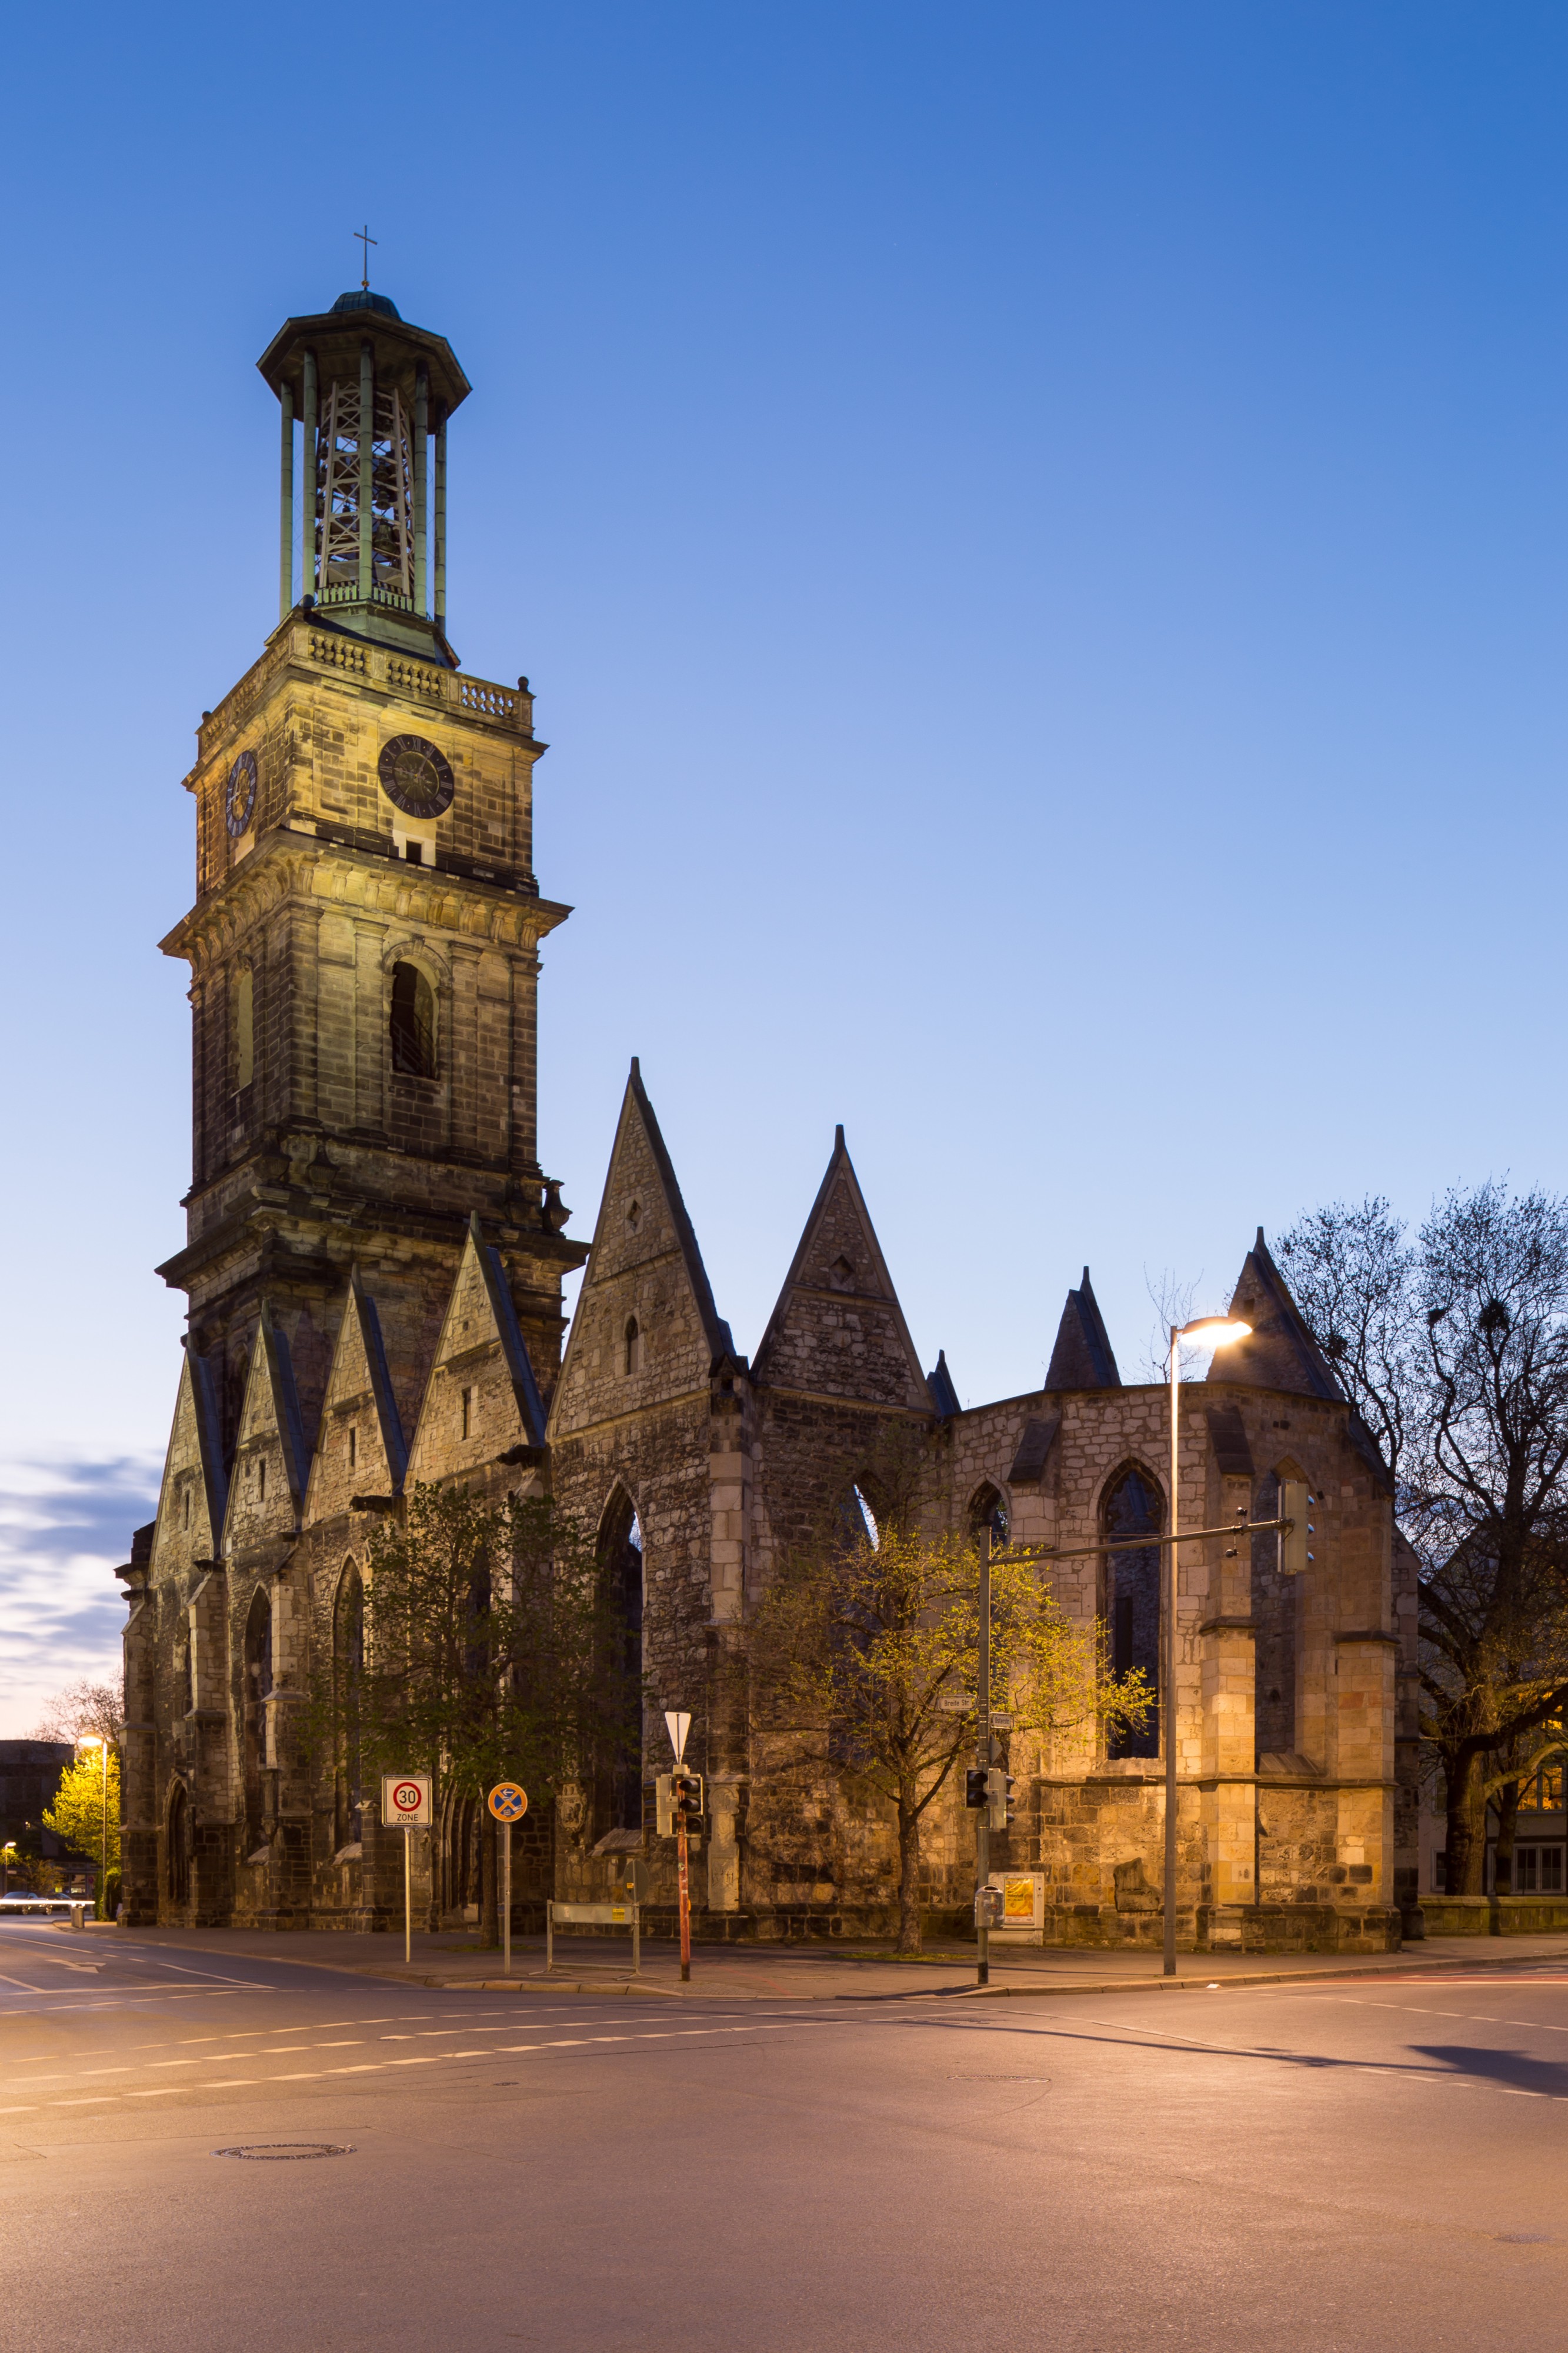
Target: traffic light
685,1788
664,1806
1300,1548
999,1798
975,1782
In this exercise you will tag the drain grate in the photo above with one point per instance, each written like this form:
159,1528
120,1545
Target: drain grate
275,2152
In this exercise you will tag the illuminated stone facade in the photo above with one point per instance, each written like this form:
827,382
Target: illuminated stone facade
374,1260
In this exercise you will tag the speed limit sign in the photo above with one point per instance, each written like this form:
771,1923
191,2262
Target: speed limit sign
507,1801
405,1800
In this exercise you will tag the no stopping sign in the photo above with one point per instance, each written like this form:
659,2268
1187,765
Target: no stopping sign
405,1800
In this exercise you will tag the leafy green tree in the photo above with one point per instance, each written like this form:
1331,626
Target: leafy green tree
76,1815
866,1651
488,1655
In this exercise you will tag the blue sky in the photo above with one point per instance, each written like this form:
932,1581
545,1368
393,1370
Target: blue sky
1037,532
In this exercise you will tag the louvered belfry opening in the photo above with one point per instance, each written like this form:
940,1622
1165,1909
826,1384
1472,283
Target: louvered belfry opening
366,399
339,485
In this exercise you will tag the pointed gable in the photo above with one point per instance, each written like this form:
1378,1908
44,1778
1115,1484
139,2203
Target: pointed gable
206,1411
1082,1358
481,1400
837,1329
646,1327
1282,1354
267,1489
360,1448
192,1501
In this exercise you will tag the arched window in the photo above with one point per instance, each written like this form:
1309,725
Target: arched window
177,1853
244,1027
987,1509
413,1022
1276,1602
621,1567
634,1347
257,1690
1133,1507
348,1672
857,1519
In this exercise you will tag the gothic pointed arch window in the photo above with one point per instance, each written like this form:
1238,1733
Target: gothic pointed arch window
858,1517
621,1568
988,1512
413,1022
177,1846
1134,1507
258,1691
348,1676
1276,1601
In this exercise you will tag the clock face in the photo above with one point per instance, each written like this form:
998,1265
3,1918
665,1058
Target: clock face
239,801
415,777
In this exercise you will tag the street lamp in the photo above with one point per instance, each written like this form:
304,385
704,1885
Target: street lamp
1216,1332
95,1740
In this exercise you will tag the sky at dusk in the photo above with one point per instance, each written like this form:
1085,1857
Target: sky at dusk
1038,535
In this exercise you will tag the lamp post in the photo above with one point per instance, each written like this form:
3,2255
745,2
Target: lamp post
1218,1332
95,1740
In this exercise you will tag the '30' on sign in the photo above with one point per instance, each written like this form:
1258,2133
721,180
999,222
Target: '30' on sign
405,1800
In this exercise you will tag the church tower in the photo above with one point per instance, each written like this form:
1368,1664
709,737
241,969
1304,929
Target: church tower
363,942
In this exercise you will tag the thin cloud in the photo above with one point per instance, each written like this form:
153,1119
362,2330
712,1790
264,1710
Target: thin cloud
65,1525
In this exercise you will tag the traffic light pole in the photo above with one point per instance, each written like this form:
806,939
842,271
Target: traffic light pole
685,1903
983,1759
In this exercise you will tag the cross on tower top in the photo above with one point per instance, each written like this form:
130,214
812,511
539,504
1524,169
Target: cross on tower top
367,241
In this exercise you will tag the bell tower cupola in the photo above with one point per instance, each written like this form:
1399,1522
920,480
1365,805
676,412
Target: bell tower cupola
363,942
365,400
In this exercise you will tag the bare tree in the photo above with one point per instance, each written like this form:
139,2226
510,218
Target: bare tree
81,1710
1456,1354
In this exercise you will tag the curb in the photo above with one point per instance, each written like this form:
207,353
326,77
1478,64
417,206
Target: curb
621,1989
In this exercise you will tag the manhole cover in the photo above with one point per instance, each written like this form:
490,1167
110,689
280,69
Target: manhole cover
276,2151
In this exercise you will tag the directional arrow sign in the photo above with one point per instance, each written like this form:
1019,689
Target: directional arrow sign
679,1725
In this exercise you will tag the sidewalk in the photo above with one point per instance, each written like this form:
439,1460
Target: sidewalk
780,1973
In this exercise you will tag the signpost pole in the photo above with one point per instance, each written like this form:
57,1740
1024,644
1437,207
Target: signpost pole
982,1758
507,1801
407,1897
678,1724
506,1899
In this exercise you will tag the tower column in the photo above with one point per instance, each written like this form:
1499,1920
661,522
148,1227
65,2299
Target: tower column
286,508
441,525
366,461
307,487
421,471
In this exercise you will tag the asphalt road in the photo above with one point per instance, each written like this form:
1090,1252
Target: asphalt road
1374,2165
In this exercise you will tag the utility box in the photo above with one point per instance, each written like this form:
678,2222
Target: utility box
1023,1903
